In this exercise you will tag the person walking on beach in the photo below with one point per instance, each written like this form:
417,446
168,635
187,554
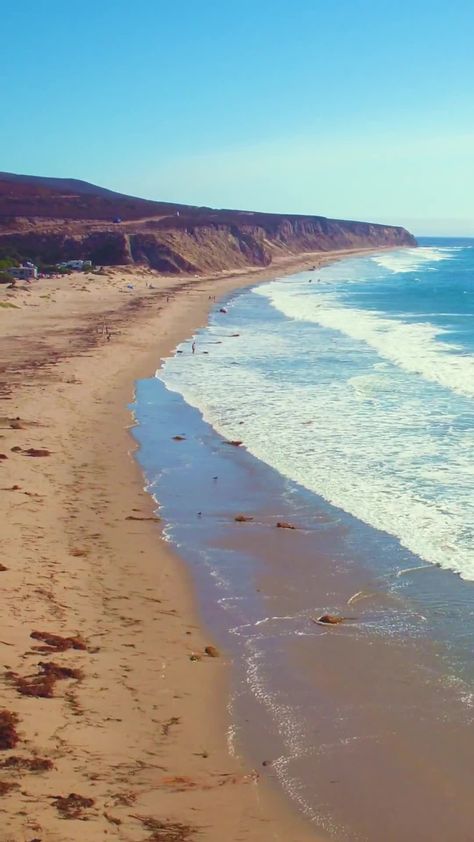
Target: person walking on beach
193,346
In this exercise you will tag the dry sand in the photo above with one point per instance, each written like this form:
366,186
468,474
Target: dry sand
138,731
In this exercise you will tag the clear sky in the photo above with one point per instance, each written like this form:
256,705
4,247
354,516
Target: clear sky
361,109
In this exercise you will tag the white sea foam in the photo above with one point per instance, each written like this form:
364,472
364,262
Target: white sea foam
409,260
415,347
380,439
378,468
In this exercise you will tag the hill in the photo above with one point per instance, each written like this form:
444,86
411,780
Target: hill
51,219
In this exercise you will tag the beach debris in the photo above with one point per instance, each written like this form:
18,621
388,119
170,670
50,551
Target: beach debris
212,651
194,657
124,798
331,619
41,685
222,310
165,728
57,643
35,451
8,733
414,569
179,438
183,783
166,831
358,596
282,524
58,672
72,806
267,762
143,517
112,819
355,597
243,518
7,786
234,443
28,764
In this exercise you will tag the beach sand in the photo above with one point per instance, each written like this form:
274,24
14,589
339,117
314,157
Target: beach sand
136,734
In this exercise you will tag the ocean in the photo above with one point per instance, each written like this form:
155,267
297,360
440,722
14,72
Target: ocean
352,390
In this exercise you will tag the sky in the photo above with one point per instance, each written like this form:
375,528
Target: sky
357,109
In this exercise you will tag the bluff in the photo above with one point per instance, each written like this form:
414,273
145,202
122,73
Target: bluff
49,219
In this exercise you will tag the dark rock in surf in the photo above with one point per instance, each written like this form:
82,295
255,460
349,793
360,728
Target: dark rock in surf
330,619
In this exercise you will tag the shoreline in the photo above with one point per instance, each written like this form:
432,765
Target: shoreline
351,746
131,734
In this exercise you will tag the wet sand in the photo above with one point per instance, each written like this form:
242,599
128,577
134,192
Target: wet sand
112,727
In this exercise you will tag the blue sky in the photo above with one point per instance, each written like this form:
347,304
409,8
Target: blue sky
351,108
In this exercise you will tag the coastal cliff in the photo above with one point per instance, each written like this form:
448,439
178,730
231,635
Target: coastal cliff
48,220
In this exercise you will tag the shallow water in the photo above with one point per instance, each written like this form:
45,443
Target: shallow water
346,715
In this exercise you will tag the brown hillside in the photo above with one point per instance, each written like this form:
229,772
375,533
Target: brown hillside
48,220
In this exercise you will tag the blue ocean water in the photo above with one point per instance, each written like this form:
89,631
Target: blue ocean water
357,382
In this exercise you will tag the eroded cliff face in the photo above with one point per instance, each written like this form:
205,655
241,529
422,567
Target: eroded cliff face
187,240
203,248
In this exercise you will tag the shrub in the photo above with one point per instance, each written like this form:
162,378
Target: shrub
7,262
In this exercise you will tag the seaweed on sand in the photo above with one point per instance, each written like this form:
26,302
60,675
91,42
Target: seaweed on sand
28,764
8,733
72,806
6,787
41,685
166,831
59,672
58,643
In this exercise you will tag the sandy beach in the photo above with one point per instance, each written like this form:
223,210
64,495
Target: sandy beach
236,423
114,716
